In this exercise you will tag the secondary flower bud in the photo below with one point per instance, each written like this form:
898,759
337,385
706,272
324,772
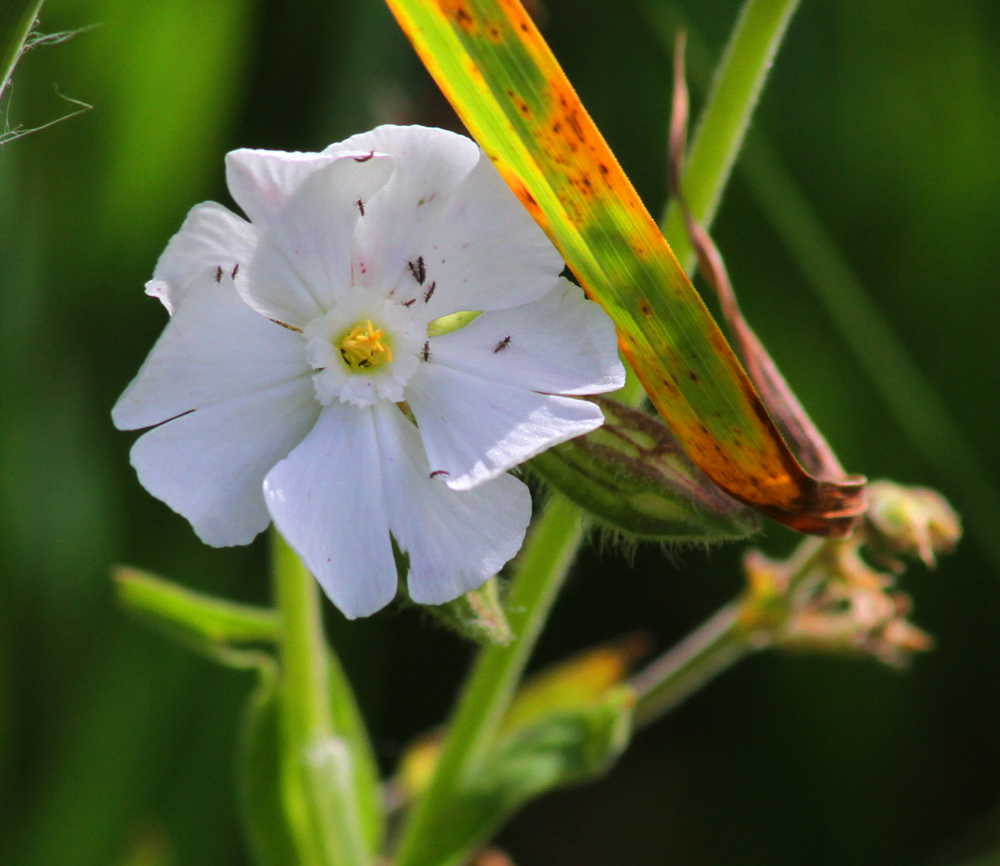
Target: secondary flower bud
633,474
910,521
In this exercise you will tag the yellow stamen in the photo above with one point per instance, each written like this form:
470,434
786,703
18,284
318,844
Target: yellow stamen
363,347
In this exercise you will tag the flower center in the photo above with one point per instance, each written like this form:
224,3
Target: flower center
363,347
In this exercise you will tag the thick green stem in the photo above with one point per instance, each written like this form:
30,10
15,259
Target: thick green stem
542,567
731,102
319,799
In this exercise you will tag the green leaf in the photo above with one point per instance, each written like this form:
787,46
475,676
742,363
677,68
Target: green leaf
211,626
490,60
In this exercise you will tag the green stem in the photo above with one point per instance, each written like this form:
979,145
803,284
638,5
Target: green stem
542,567
728,636
731,102
316,775
16,21
705,653
717,141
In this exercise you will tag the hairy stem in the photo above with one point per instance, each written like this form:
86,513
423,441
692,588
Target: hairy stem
541,569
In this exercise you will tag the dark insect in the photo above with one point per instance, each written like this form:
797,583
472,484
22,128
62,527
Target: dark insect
418,270
430,291
437,472
235,270
365,158
503,344
218,274
361,206
410,302
426,353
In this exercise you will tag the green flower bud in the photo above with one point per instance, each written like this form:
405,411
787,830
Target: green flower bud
633,474
477,615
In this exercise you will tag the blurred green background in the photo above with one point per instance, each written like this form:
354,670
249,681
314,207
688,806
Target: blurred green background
117,747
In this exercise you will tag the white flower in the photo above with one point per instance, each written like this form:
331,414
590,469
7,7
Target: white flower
299,341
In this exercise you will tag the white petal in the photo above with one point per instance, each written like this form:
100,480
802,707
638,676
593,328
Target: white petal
430,164
474,429
209,465
455,540
562,344
262,181
213,348
303,259
485,252
326,500
211,240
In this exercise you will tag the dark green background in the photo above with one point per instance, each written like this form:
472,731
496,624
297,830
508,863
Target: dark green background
117,748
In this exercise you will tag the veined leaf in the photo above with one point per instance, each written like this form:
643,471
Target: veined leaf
493,65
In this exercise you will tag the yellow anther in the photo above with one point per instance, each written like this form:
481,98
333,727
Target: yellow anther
364,349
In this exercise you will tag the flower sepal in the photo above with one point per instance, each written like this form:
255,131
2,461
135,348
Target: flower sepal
477,616
633,475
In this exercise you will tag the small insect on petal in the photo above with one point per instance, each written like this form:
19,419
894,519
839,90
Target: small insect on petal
503,344
361,206
418,270
235,270
430,291
437,472
410,302
218,274
365,158
425,355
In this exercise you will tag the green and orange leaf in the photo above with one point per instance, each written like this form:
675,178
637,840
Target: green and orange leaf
500,75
